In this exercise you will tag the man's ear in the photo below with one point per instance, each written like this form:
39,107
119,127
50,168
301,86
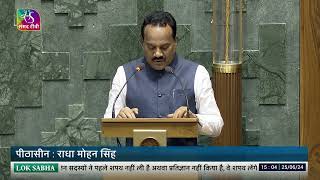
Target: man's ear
175,44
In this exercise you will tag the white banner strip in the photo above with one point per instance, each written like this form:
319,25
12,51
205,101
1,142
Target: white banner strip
242,169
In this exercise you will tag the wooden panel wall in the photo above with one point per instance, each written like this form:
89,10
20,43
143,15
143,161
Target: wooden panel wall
227,89
310,82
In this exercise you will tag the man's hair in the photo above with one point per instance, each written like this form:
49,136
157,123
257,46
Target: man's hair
162,19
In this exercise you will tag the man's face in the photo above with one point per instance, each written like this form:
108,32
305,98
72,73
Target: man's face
159,46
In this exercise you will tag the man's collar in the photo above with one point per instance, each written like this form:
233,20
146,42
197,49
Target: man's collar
174,63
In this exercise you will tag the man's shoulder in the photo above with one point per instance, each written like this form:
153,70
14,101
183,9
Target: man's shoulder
133,63
191,63
188,62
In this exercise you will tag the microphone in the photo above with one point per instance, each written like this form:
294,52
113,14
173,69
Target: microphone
137,69
170,70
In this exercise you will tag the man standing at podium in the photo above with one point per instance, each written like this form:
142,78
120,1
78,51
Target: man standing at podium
153,89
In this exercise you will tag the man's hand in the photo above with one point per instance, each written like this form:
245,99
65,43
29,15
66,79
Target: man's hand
128,113
181,112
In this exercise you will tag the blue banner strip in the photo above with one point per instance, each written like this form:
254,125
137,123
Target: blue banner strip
186,153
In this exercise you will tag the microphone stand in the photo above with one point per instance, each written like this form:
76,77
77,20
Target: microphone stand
170,70
138,68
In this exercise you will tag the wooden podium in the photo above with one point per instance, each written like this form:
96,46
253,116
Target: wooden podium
150,131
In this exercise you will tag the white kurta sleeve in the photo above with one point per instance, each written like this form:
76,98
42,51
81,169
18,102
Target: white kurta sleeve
208,111
118,81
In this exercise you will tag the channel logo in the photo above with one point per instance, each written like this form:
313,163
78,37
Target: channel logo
28,20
